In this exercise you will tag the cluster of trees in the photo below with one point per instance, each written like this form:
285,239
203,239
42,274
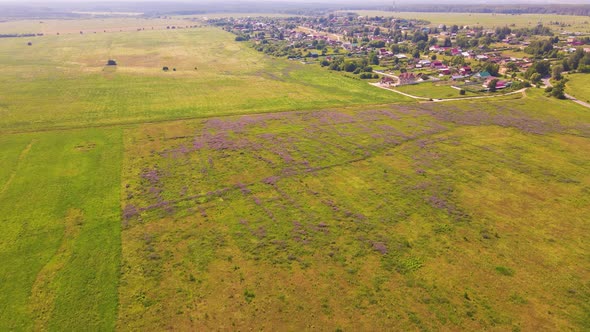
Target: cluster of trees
563,9
579,60
558,90
537,71
361,66
16,35
542,48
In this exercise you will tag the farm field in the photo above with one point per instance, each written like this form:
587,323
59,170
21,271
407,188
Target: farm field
62,81
426,216
74,26
60,240
434,90
244,192
578,23
579,86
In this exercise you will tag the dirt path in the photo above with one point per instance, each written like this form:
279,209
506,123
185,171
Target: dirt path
547,83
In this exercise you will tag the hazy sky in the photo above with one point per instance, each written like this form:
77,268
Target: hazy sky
356,2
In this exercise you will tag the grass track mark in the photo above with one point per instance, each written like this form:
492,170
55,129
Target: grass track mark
21,157
43,293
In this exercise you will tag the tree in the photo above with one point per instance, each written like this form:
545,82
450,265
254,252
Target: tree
111,63
558,90
165,68
447,42
556,72
374,58
492,85
536,78
491,68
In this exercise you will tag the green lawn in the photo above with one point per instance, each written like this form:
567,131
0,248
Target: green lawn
579,86
61,81
60,240
434,90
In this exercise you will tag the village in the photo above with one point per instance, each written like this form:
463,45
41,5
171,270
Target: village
457,60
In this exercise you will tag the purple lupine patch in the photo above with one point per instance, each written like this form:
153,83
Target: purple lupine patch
129,211
380,247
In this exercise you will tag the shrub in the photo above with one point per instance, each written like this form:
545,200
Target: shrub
165,68
462,92
506,271
111,63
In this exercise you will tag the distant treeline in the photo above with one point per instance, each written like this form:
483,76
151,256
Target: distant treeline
581,10
17,35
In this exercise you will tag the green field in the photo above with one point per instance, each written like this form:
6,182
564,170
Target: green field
62,81
579,86
435,90
577,23
60,243
110,24
243,192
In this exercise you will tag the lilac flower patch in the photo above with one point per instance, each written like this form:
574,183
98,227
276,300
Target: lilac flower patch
380,247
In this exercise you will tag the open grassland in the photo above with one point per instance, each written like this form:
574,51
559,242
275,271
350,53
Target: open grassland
234,15
464,215
408,217
577,23
90,25
434,90
579,86
62,81
60,240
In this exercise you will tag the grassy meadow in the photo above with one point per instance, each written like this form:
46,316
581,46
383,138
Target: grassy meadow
423,217
576,23
245,192
434,90
62,81
90,25
60,242
579,86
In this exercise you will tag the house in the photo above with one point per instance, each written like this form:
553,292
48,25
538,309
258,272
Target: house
500,84
407,78
424,62
387,81
483,74
481,57
401,56
465,70
444,71
437,64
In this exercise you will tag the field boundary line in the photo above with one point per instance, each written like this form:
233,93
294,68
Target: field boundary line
21,156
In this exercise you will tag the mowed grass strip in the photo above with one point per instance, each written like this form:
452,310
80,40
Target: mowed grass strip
62,81
60,242
579,86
